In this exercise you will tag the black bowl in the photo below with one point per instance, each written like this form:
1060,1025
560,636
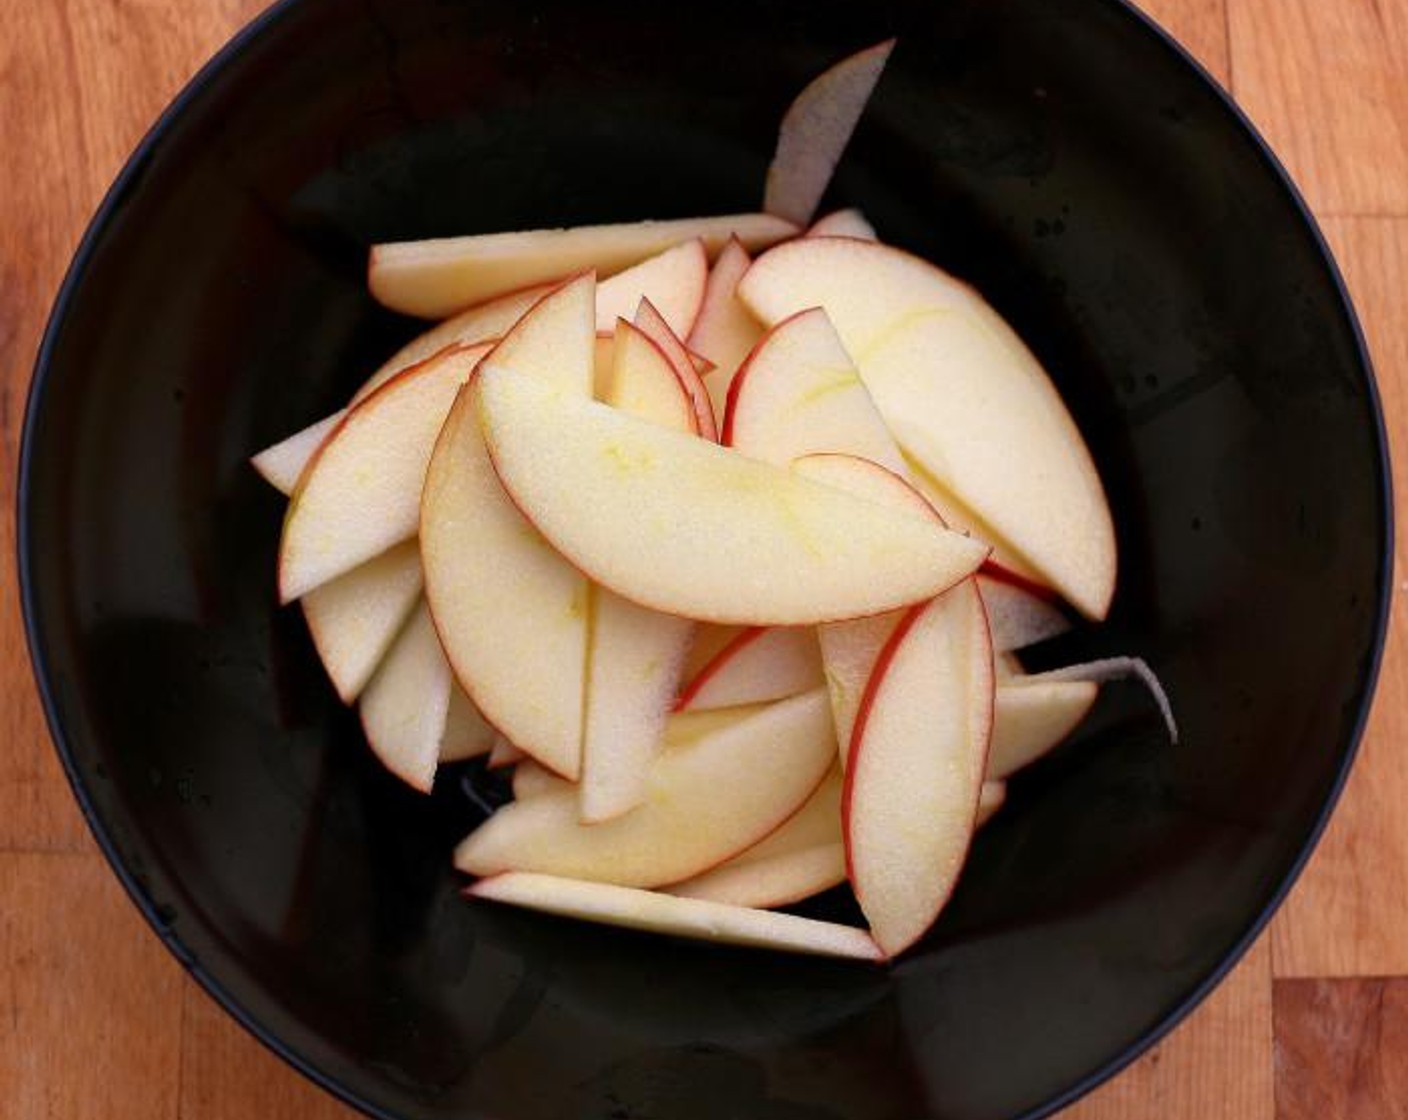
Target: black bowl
1062,155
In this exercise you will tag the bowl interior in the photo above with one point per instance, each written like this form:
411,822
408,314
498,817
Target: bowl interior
1056,153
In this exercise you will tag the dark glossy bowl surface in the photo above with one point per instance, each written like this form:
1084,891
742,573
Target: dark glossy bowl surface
1059,154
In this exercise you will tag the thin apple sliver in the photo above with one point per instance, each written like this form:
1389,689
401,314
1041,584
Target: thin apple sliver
1116,669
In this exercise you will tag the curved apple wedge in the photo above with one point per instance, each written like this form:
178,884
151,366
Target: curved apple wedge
1032,717
963,396
762,663
1019,617
501,597
354,619
672,281
683,917
725,330
281,464
685,824
467,734
917,761
405,706
360,493
690,528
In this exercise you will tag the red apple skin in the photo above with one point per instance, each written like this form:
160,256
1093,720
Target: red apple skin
681,359
872,688
749,635
994,570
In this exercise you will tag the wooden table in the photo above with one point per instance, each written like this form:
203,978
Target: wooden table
97,1020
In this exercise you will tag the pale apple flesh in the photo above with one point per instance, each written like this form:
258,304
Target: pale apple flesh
762,663
684,826
501,597
281,464
1033,716
843,223
360,493
917,761
692,918
650,320
467,734
673,282
690,528
725,331
1019,617
435,278
962,395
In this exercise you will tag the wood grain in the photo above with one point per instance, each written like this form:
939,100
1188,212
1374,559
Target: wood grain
96,1018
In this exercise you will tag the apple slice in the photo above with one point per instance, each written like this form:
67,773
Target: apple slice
725,331
466,734
1018,617
633,670
281,465
502,599
354,618
815,131
360,493
962,395
686,527
532,778
918,756
762,663
798,393
439,277
1032,717
843,223
708,641
685,826
682,917
673,281
804,857
991,798
1117,669
405,706
654,324
484,322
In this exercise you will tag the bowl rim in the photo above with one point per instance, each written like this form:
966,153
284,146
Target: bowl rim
28,563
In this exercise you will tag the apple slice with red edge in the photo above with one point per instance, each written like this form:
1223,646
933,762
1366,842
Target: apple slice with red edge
1018,616
725,331
354,618
691,918
673,281
655,325
360,493
815,131
798,393
633,668
684,826
687,527
962,395
849,222
1033,717
708,641
762,663
501,597
442,276
281,464
405,706
917,760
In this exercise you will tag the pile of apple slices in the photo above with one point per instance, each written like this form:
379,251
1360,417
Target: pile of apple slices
789,518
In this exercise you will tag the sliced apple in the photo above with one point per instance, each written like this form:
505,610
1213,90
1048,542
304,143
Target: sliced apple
281,465
466,734
633,670
686,527
360,493
654,324
693,918
405,706
918,756
843,223
962,395
1033,716
762,663
1117,669
725,331
992,798
802,858
436,278
798,393
673,281
815,131
685,826
532,778
1019,617
501,597
354,618
708,641
484,322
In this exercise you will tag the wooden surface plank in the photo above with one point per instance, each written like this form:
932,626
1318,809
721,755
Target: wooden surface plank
86,992
1340,920
1325,81
1341,1049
